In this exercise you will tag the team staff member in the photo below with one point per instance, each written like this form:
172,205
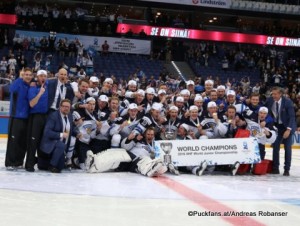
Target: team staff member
56,138
38,101
284,114
59,89
19,112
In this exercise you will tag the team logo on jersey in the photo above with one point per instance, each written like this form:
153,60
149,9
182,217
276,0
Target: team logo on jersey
88,127
212,125
88,130
254,130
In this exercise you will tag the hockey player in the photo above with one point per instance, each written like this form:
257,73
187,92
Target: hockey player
170,126
87,124
198,101
190,85
212,122
185,93
193,120
231,122
129,121
179,102
139,100
93,89
184,133
151,119
232,101
106,88
139,158
212,126
131,89
209,85
102,108
260,127
150,95
81,93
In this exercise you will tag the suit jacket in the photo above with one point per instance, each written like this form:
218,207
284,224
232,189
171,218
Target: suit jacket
287,112
52,85
52,131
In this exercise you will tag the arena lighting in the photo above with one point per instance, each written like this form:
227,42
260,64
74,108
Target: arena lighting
9,19
171,32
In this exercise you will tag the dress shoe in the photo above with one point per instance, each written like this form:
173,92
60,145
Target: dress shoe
42,168
29,169
54,170
286,173
275,171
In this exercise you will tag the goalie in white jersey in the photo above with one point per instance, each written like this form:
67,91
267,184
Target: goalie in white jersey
139,158
260,127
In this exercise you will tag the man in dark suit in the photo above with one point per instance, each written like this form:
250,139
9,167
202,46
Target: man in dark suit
59,89
56,138
283,112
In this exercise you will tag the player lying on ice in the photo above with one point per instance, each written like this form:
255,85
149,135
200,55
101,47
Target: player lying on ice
140,157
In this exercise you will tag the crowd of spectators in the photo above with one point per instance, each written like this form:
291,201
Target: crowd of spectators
64,19
276,67
102,20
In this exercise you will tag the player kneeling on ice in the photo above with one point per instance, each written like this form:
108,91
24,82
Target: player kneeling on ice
211,126
261,126
139,158
186,133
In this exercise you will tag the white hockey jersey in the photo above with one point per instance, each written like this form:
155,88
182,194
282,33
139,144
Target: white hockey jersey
253,125
88,130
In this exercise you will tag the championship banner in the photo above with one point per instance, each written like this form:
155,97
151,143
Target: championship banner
118,45
204,3
172,32
213,151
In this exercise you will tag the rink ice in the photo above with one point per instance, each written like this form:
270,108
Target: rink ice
78,198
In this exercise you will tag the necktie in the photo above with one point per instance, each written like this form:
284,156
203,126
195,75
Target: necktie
229,130
59,96
65,130
277,112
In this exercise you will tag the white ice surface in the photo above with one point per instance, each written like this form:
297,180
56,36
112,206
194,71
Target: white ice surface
78,198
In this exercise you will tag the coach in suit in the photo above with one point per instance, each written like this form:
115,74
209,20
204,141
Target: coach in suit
59,89
284,116
56,138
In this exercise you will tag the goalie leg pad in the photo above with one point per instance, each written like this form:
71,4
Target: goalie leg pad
106,160
151,167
